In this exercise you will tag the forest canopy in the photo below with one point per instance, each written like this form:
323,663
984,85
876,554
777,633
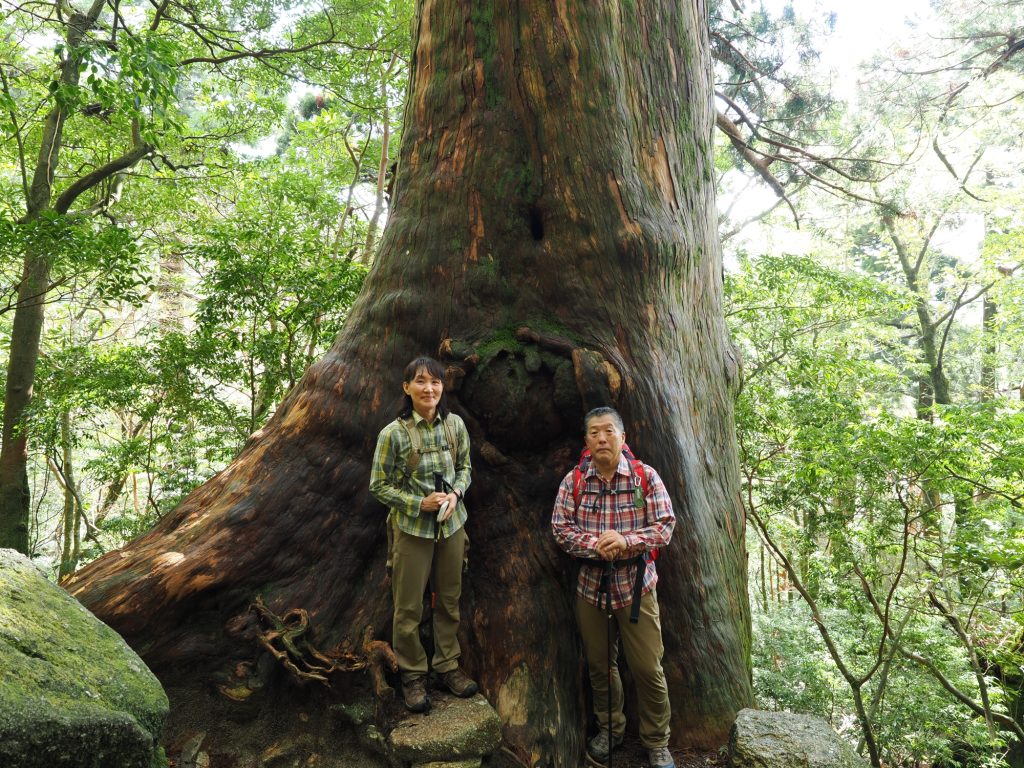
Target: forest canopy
225,173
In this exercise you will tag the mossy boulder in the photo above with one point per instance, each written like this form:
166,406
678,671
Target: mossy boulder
72,693
788,740
455,733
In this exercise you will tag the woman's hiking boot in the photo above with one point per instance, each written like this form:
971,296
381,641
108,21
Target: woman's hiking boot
414,692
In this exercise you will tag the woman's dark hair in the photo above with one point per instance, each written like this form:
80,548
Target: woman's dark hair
432,367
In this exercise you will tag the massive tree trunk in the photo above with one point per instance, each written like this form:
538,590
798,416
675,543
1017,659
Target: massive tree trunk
553,241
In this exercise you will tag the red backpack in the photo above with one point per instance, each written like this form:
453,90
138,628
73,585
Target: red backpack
636,471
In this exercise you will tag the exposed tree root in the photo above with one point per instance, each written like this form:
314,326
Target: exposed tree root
284,637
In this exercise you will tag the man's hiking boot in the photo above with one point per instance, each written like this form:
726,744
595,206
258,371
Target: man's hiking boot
415,694
660,757
600,746
459,683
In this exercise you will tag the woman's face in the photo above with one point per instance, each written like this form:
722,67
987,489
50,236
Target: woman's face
425,391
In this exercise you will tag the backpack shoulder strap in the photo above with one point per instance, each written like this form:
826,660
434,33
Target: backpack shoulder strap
451,436
416,451
636,470
640,480
578,480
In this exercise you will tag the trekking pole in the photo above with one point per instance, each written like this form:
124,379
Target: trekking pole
608,573
439,488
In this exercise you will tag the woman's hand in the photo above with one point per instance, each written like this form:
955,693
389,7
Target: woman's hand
453,500
433,502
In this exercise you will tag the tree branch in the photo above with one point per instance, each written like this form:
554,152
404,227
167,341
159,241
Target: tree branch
954,622
87,182
945,331
1008,272
160,10
92,531
265,53
726,126
949,167
17,133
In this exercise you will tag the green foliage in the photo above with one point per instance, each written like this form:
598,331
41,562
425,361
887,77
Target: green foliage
872,502
190,289
273,291
137,81
106,258
792,669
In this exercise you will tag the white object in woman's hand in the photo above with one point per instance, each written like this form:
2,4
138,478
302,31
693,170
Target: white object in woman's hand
447,509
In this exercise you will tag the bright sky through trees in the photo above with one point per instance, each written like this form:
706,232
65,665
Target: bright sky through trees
860,31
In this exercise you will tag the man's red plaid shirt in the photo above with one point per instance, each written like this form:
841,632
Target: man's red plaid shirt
604,506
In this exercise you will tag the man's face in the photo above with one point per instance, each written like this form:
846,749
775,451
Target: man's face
604,440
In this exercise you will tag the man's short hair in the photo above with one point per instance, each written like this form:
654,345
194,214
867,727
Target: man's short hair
597,413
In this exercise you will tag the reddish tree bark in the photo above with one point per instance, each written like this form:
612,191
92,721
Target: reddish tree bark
553,241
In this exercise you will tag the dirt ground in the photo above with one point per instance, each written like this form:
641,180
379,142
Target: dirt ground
632,755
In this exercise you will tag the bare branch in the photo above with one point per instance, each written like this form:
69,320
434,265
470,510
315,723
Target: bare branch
1007,272
729,234
726,126
160,10
266,53
1015,501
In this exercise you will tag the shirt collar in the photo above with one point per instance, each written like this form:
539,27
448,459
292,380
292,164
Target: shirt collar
416,418
622,469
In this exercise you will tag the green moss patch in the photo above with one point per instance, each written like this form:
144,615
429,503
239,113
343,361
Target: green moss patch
72,692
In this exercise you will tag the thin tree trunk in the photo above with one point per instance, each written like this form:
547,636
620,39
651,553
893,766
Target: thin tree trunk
382,169
764,590
988,349
170,291
68,551
912,266
883,676
357,165
26,333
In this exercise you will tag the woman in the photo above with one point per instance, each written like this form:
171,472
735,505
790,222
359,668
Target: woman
421,472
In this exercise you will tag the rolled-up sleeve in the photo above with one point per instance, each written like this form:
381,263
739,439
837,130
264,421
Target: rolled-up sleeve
383,470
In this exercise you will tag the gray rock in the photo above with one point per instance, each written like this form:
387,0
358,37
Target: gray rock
72,693
786,740
454,733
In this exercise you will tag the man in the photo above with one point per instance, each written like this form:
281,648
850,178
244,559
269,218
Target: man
605,512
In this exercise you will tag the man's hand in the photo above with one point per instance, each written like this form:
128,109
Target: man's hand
610,545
